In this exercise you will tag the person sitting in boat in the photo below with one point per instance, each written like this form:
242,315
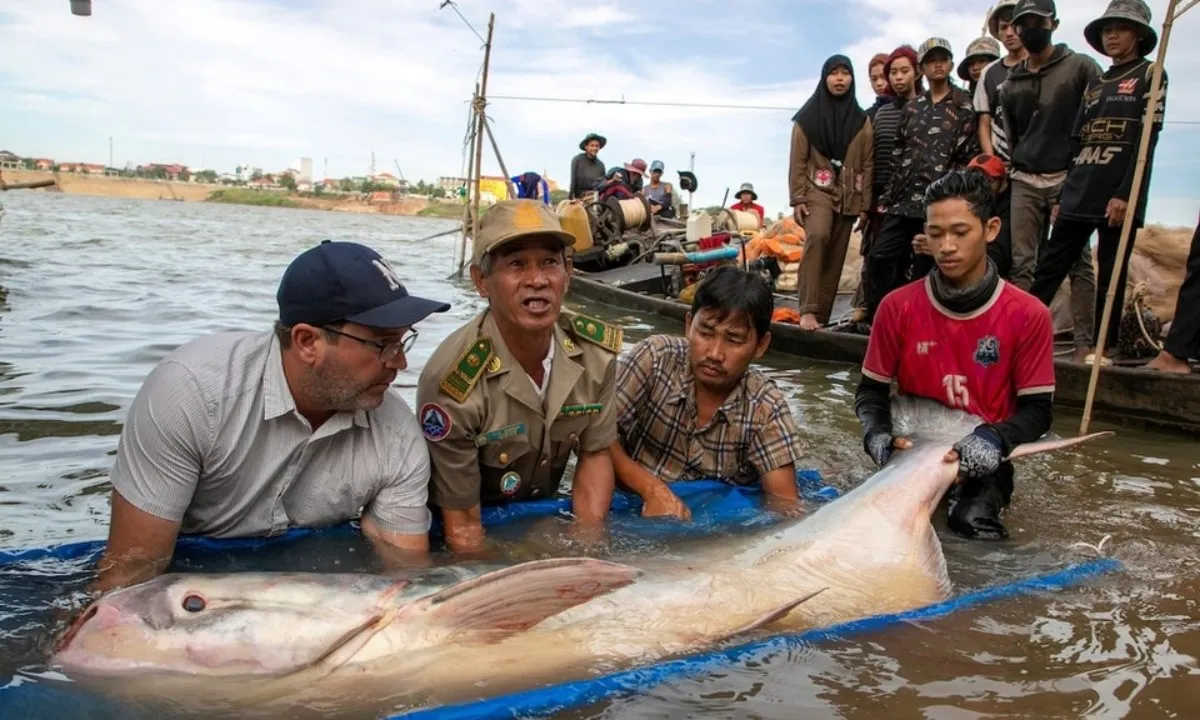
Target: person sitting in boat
692,407
506,399
614,186
660,195
745,202
249,433
587,171
531,185
968,339
635,172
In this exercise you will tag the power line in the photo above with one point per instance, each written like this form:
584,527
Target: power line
667,103
454,7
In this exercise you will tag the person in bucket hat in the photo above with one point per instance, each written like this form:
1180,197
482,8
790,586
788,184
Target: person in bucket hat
587,170
303,418
635,170
1133,13
980,53
746,202
993,136
509,397
1095,195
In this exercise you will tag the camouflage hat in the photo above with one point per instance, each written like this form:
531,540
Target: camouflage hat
512,220
933,43
993,21
1134,12
981,47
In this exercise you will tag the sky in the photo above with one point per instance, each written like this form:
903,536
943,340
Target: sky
218,83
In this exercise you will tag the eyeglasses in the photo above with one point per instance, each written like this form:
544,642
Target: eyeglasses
387,351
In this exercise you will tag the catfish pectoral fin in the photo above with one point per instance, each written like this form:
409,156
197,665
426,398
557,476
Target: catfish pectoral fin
773,615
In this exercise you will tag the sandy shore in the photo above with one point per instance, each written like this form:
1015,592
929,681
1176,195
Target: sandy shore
198,192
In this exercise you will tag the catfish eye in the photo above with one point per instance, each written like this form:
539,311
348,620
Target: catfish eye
193,603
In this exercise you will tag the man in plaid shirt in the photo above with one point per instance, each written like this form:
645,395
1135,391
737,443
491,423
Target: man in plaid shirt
692,407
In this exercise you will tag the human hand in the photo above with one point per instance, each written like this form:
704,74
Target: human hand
800,212
863,221
978,454
879,444
661,502
920,244
1115,212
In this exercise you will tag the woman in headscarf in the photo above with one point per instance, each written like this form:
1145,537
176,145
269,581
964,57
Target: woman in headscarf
832,161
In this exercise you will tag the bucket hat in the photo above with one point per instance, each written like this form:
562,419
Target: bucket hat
747,187
590,137
993,22
1135,12
979,47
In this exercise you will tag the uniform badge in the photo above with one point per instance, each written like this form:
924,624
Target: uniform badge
577,410
501,434
460,381
509,483
494,364
823,178
598,333
987,352
568,344
435,422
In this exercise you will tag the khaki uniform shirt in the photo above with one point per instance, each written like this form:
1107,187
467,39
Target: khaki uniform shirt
491,439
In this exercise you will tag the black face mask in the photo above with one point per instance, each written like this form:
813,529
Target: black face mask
1035,39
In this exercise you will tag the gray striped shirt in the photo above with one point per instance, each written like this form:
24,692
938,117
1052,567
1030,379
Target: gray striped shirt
886,123
213,440
987,102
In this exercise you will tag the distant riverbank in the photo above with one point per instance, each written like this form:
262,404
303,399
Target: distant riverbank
97,185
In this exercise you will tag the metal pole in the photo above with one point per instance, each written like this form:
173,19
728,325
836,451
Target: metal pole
480,105
1130,210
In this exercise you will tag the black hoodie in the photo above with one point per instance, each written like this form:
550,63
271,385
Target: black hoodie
1040,109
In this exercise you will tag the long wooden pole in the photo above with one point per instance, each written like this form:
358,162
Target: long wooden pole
1135,193
480,105
473,134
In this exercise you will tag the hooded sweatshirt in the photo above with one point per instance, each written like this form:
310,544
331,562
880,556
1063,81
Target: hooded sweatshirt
1040,109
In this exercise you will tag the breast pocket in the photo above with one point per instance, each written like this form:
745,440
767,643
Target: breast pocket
565,434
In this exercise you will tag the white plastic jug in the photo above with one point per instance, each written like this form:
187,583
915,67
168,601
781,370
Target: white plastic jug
699,225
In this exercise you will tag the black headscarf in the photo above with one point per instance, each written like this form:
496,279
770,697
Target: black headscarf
830,123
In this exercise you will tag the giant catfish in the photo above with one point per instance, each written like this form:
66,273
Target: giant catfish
357,644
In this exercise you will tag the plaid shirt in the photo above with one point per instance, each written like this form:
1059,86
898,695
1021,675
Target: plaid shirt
751,434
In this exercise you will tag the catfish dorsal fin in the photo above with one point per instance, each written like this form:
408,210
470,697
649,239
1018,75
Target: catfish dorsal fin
1048,445
507,601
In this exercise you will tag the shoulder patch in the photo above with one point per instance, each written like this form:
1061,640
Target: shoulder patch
435,422
461,380
598,333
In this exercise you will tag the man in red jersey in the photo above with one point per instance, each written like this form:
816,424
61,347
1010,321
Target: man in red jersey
965,338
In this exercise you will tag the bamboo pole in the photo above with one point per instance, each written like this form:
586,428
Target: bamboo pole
480,105
473,133
1135,193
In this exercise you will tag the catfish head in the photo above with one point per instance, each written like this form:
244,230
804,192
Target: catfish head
224,624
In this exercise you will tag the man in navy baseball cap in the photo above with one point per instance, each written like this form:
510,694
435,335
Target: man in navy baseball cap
348,282
251,432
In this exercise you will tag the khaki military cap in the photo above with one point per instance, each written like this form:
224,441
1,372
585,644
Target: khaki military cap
512,220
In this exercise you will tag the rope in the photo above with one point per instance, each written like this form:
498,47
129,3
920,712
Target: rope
719,106
1139,294
633,211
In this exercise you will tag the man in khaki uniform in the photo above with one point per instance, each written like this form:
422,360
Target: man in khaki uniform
506,398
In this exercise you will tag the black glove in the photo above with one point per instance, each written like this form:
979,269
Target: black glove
980,453
878,444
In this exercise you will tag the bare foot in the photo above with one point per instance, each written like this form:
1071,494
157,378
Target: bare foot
1080,355
1166,362
808,321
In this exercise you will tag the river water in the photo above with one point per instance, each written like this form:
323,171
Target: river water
96,290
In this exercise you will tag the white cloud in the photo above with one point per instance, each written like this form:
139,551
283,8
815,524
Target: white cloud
220,82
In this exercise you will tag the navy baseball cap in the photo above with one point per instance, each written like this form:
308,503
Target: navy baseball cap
337,281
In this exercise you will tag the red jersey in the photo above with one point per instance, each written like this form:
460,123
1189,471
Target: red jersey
978,362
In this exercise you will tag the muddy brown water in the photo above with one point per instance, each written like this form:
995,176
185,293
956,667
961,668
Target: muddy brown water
96,290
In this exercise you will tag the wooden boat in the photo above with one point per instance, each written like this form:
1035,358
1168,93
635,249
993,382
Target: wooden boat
1124,395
